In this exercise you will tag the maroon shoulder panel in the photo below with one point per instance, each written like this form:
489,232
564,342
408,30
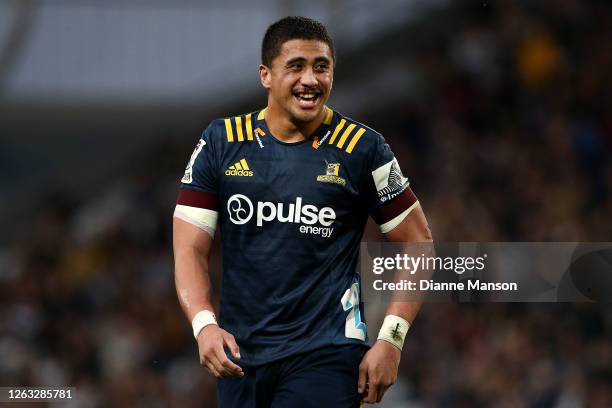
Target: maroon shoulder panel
395,207
197,199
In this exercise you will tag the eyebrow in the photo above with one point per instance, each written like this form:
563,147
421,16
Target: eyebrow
302,59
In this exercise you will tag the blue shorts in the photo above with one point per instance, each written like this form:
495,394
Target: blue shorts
323,378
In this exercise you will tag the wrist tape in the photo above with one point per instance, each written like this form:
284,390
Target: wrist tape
202,319
394,330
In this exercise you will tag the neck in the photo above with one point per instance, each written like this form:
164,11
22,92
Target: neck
286,130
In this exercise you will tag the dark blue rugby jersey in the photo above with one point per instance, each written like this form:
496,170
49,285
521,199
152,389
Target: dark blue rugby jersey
292,216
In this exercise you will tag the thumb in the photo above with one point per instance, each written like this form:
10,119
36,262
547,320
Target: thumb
363,377
230,342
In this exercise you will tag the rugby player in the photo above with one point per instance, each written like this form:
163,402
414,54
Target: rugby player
291,187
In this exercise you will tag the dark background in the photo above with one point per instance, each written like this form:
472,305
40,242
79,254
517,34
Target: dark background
499,113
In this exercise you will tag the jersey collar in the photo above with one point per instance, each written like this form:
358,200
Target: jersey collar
317,134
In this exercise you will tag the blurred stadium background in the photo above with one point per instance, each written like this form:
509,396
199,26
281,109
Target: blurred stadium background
499,112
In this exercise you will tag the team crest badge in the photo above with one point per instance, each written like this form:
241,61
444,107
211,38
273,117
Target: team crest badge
332,174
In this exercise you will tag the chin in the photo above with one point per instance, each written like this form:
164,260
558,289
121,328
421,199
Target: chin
306,116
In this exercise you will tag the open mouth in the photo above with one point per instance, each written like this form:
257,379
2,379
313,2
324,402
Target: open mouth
308,99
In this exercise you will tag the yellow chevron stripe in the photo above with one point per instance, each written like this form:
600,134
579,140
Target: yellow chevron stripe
238,166
262,114
354,140
249,127
228,130
239,128
345,135
232,168
245,166
337,130
260,132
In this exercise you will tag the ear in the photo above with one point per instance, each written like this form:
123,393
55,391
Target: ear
265,76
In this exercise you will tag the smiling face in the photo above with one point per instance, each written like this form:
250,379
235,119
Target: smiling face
299,80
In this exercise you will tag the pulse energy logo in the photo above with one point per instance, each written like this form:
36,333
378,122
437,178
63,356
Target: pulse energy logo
310,218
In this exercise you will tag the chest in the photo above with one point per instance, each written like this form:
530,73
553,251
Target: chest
285,173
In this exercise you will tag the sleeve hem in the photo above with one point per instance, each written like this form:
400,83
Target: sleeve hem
389,225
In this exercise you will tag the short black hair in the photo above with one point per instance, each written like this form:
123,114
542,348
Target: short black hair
293,28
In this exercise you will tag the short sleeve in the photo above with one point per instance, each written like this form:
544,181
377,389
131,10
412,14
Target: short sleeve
201,171
197,199
392,198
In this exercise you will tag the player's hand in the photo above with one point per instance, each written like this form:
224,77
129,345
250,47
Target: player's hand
378,371
212,341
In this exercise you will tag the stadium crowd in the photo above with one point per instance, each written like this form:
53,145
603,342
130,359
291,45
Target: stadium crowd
504,125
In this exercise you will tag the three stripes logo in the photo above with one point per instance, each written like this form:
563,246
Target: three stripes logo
239,130
340,138
239,169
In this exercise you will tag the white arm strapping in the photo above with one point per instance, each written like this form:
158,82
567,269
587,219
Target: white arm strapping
202,319
200,217
394,330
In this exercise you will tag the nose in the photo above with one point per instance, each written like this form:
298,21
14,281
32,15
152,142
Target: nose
308,77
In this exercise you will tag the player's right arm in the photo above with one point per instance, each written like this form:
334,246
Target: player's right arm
195,219
191,254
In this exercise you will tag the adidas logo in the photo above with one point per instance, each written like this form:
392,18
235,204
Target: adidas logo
240,169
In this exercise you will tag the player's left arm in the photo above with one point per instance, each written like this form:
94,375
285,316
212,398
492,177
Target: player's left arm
378,369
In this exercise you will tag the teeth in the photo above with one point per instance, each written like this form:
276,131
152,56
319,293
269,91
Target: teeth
308,96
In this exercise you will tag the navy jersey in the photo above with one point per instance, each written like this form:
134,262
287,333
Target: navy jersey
292,216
